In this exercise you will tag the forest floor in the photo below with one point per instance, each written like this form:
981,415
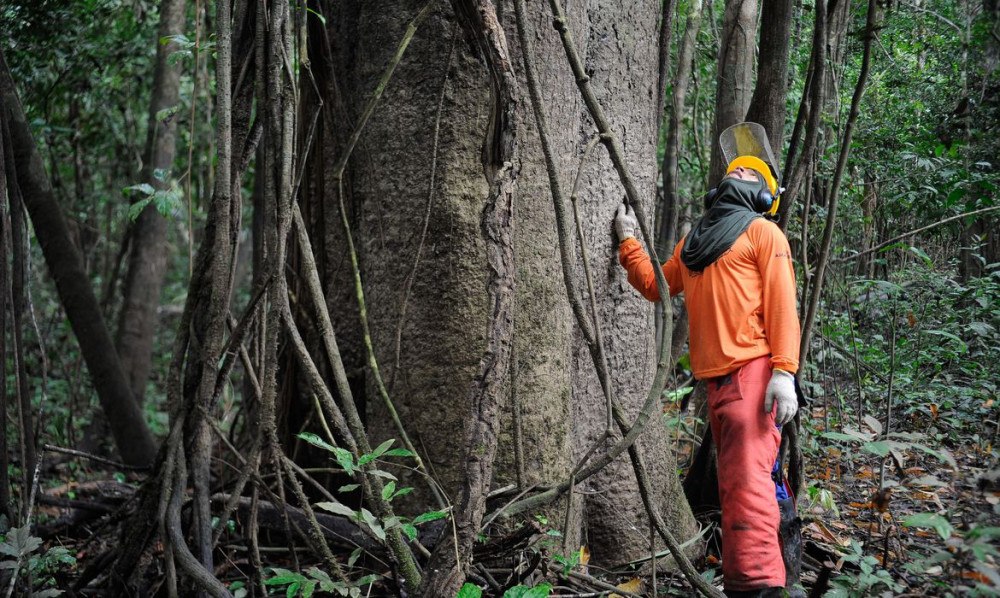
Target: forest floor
928,526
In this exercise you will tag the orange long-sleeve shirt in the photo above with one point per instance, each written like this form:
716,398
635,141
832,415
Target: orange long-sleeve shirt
739,308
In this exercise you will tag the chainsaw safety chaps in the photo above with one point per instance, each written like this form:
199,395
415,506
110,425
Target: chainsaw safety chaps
748,443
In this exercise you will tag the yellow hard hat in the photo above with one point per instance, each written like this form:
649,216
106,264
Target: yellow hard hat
755,163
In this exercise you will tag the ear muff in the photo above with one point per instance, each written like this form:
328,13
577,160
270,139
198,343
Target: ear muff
764,201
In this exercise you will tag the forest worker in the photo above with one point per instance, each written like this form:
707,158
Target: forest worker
735,270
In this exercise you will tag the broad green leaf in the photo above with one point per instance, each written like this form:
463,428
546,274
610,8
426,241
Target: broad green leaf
337,509
542,590
292,590
469,590
345,459
879,447
403,491
355,555
398,452
429,516
387,490
942,454
348,487
140,188
409,530
319,575
316,441
382,448
135,209
382,474
874,424
367,579
932,520
373,524
308,588
280,580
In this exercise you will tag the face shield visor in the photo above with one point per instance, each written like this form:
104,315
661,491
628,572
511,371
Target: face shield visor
743,144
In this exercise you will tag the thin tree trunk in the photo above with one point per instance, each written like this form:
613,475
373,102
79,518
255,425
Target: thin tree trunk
671,152
147,263
810,111
735,74
6,249
767,106
132,436
845,148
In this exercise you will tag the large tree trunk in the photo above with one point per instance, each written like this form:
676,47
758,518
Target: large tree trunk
416,169
132,436
619,46
147,262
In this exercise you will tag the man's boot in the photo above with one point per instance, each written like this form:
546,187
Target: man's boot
790,531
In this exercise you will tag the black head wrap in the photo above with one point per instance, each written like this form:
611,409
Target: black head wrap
729,215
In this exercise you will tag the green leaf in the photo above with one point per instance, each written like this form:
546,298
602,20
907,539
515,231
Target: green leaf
942,454
316,441
429,516
355,555
373,524
932,520
292,590
337,509
319,16
542,590
880,447
164,114
382,474
398,452
348,487
382,448
387,490
135,209
345,459
367,579
280,580
308,588
409,531
319,575
469,590
166,201
140,188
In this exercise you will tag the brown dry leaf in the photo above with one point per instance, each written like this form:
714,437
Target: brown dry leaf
584,556
820,529
633,585
934,410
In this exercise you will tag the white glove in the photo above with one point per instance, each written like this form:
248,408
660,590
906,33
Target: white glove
782,387
625,222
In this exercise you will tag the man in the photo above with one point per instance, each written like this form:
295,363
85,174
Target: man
735,270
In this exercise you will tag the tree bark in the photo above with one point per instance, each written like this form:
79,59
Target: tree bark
134,441
767,106
735,74
147,261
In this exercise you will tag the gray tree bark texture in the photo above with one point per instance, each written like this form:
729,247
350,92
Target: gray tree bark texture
147,263
553,384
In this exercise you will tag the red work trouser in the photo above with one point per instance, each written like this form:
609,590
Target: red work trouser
747,442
